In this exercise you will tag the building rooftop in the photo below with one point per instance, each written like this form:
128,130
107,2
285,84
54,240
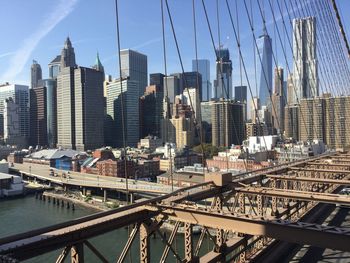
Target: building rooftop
53,154
57,59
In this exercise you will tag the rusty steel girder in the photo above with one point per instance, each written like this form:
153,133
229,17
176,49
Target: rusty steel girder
294,232
297,195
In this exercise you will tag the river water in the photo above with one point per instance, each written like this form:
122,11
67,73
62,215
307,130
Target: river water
27,213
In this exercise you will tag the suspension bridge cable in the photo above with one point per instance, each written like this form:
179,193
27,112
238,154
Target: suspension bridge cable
166,99
196,116
268,85
242,60
197,83
221,73
313,90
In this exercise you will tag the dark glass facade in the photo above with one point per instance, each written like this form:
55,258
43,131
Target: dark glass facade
51,111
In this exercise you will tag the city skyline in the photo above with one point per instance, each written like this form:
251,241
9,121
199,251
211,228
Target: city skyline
41,38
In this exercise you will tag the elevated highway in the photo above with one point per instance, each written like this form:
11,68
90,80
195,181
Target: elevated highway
248,216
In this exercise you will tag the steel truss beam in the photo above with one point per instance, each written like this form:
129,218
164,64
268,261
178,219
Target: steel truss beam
231,245
296,195
128,243
308,179
329,164
298,232
95,251
169,243
319,170
43,243
62,257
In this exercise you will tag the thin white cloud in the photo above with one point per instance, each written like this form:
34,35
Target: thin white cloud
7,54
147,43
21,56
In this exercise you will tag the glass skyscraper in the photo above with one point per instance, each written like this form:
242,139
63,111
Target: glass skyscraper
264,68
20,95
223,82
204,70
51,111
134,67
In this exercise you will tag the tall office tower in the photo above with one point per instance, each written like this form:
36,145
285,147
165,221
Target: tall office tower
223,82
65,108
36,74
181,128
89,108
128,91
204,69
38,120
191,96
254,109
165,124
291,121
172,83
134,67
336,120
51,111
20,95
290,90
151,111
206,108
67,55
264,67
55,67
311,125
278,102
305,75
157,79
98,65
227,123
12,134
189,80
241,96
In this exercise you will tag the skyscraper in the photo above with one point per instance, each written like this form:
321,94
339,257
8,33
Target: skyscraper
36,74
65,108
55,67
191,98
227,123
278,101
89,108
20,95
51,111
189,80
67,55
264,68
128,91
223,82
151,111
80,108
12,134
241,96
305,75
98,65
172,84
157,79
134,67
204,70
38,120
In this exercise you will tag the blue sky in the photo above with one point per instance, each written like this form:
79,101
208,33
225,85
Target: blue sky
36,29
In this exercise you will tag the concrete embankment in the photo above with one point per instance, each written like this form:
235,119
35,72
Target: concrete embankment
68,201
